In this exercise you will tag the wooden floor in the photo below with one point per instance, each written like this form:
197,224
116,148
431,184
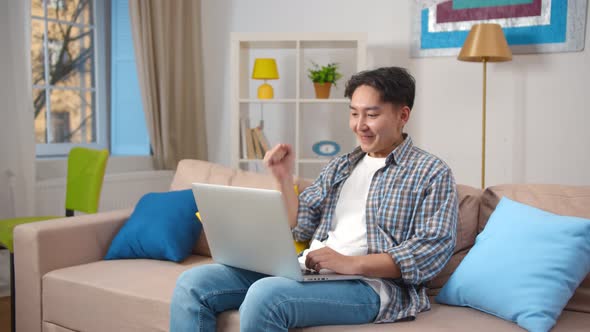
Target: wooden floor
4,314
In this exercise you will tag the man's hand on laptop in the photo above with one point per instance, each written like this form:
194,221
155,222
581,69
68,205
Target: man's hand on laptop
328,258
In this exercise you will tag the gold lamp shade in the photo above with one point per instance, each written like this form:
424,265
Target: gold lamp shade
265,69
485,42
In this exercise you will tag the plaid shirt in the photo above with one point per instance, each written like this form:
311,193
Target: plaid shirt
411,214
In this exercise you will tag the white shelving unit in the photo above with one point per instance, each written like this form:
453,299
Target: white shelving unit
294,116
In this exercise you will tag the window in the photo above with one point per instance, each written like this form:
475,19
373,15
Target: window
66,100
69,73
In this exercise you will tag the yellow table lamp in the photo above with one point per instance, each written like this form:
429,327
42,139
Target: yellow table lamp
485,43
265,69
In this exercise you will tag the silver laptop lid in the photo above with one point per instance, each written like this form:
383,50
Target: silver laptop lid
248,228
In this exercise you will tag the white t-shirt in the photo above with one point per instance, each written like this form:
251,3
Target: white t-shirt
348,231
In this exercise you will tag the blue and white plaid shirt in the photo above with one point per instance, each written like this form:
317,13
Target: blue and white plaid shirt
411,214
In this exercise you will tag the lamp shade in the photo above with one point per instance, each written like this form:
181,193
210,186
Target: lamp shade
265,69
485,41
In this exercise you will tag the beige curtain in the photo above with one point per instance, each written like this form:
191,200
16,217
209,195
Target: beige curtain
167,43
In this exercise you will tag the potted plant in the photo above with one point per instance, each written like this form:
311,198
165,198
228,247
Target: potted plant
323,77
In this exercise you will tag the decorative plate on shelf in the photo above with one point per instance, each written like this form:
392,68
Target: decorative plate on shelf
326,148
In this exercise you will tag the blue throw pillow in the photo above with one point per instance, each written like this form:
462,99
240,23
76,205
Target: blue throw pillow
524,266
163,226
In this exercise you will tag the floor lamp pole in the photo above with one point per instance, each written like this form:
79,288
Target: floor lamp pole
483,127
484,43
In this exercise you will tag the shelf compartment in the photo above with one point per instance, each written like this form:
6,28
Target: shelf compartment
318,51
284,87
324,122
277,123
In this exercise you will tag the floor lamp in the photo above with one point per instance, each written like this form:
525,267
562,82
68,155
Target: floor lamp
485,43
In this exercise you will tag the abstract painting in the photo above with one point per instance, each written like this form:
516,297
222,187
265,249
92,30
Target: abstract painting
439,27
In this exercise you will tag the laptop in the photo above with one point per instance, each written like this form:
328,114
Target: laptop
249,229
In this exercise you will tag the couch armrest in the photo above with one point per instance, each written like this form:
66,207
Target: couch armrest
49,245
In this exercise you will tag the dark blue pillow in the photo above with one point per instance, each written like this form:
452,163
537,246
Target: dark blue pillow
163,226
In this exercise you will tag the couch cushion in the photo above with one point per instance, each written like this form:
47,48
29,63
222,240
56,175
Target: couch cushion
134,295
190,171
469,202
48,327
559,199
439,318
119,295
436,284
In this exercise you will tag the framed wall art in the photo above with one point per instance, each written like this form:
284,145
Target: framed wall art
439,27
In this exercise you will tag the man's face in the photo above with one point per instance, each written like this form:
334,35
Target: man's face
377,125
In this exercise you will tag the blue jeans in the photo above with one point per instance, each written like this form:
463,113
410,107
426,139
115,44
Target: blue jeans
266,303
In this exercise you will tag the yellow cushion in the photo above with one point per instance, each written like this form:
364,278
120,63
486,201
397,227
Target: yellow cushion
299,246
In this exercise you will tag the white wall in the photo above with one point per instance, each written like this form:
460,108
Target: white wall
16,130
537,104
119,191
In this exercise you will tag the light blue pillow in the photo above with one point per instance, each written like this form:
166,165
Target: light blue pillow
162,226
524,266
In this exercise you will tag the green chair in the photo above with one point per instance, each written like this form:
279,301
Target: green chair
86,168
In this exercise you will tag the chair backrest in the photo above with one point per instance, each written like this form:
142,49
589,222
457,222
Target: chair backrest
86,168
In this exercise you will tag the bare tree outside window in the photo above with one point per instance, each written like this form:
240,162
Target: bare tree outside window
63,71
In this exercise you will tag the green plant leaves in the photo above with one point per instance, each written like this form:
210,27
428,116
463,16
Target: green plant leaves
324,74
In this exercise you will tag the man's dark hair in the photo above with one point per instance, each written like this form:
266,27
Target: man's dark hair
395,85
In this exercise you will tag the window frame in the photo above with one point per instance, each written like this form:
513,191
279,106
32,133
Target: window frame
101,109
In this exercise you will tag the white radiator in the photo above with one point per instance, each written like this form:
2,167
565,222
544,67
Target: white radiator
119,191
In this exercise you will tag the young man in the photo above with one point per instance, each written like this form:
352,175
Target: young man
386,211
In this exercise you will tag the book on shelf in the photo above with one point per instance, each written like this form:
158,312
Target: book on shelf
251,154
244,125
258,154
253,142
262,140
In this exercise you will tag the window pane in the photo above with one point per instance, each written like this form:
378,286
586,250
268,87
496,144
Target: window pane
37,8
40,122
70,55
37,31
78,11
72,116
127,121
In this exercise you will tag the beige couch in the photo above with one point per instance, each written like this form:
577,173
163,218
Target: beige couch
64,285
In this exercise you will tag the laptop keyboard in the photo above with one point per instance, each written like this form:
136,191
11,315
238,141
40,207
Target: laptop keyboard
309,272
